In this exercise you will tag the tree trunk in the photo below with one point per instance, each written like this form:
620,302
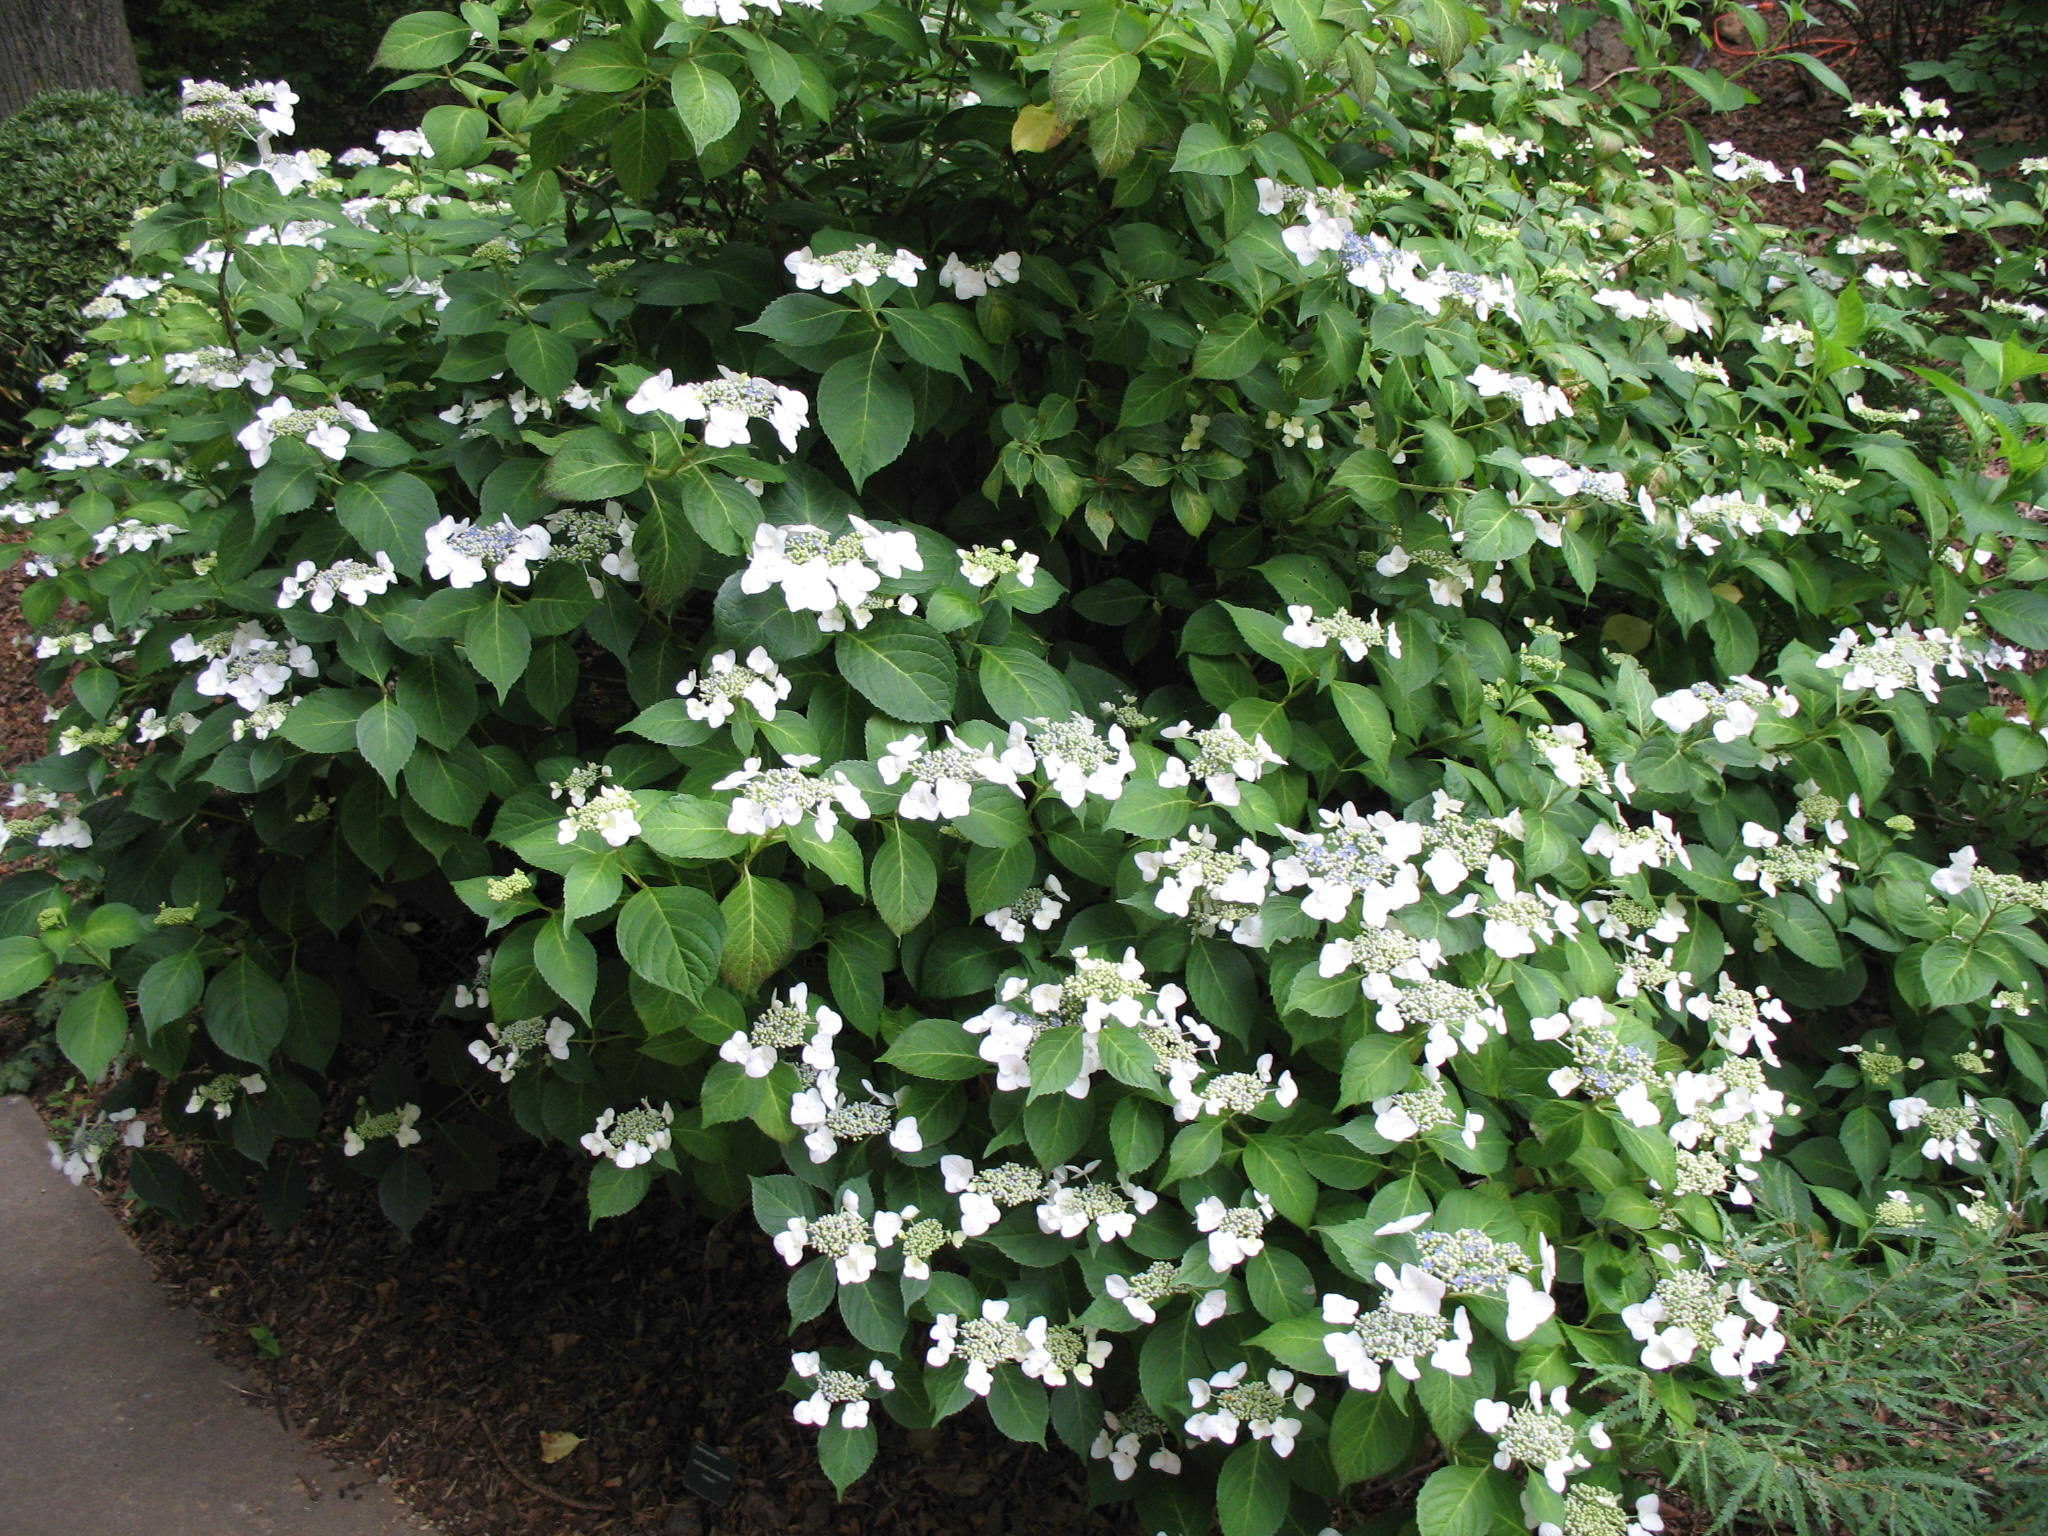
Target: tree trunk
63,45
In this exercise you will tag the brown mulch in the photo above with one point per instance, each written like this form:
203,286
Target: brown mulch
436,1364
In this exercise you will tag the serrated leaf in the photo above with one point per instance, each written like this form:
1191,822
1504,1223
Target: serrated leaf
568,963
1090,75
760,930
615,1191
705,101
901,667
423,40
498,643
386,736
1021,686
404,1192
92,1029
545,360
903,881
866,410
591,464
246,1012
389,513
1251,1491
26,963
673,936
937,1049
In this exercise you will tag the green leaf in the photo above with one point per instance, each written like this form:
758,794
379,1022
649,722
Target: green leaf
760,930
1251,1491
1463,1501
706,102
386,736
545,360
1804,929
901,667
92,1029
389,513
866,410
592,464
1205,152
642,146
604,64
903,880
498,643
1020,686
160,1184
1231,348
404,1193
615,1190
1494,530
246,1012
1174,1353
169,989
1090,75
568,963
938,1049
1018,1405
1055,1058
1866,1143
844,1454
1274,1168
25,963
457,134
673,935
423,40
1297,1342
1370,1435
1954,974
2020,616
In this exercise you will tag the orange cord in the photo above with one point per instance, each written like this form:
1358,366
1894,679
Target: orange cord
1819,47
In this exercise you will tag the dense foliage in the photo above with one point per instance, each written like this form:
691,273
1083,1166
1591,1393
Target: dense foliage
1261,738
74,167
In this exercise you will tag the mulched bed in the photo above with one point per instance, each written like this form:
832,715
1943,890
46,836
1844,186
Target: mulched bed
436,1364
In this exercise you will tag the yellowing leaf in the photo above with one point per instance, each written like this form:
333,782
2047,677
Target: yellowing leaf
555,1444
1036,130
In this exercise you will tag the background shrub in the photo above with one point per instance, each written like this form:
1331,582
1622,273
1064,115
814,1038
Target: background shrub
74,166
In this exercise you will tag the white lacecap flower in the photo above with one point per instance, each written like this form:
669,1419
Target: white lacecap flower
632,1137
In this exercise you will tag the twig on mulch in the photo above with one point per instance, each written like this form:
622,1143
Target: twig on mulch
528,1483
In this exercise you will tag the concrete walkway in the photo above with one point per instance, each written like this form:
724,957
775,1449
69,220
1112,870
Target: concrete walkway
114,1418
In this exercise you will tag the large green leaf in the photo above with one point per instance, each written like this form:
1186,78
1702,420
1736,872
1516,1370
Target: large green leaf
1091,75
760,930
92,1029
568,963
545,360
902,667
424,40
389,513
25,963
705,100
1020,686
904,881
673,935
866,410
246,1012
1251,1491
386,736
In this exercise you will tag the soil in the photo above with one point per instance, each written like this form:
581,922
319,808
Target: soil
437,1364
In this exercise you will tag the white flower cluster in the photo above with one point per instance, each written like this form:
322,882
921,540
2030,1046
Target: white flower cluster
728,406
1540,402
1710,521
1215,889
1354,636
1790,858
1222,758
1097,995
400,1124
970,280
245,663
1951,1129
94,1137
217,1093
828,1117
1691,1309
604,534
942,778
1731,164
1890,660
257,110
326,428
1569,480
1037,907
835,576
862,265
1546,1436
1735,708
132,534
609,810
97,444
224,368
792,1023
983,566
1492,141
1076,756
842,1390
463,554
1226,1402
354,581
733,12
720,691
1689,315
783,797
631,1138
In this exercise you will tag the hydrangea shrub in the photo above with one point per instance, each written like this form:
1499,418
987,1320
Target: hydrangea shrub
1253,732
